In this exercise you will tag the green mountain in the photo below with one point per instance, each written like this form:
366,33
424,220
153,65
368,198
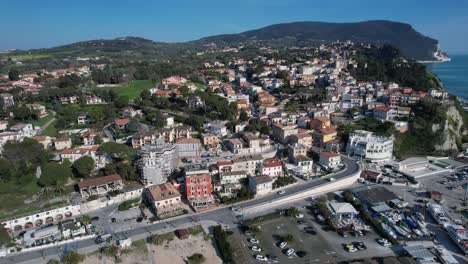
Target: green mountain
411,43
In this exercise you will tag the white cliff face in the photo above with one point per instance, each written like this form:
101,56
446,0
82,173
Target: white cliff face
439,56
452,130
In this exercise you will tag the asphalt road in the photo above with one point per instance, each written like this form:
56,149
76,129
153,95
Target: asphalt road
223,215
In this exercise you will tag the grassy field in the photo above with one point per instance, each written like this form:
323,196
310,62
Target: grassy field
30,56
50,131
42,121
13,196
133,89
200,86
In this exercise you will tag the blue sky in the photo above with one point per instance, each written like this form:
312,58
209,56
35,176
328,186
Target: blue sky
36,24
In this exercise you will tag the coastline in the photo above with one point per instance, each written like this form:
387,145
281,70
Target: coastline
436,61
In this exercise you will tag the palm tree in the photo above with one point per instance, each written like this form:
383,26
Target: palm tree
86,219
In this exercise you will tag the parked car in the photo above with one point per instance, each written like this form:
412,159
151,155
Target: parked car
359,245
290,252
300,216
272,259
256,248
283,244
95,218
254,241
349,248
358,233
261,258
301,254
342,233
281,192
384,242
310,230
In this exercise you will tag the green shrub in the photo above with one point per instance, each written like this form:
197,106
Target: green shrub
220,236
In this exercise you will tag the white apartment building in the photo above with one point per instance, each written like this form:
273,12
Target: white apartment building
365,145
330,160
157,162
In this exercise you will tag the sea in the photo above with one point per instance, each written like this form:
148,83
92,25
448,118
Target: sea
453,74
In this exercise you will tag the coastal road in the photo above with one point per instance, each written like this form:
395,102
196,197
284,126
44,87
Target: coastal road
223,216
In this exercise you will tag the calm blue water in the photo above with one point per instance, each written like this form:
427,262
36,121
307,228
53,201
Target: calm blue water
454,74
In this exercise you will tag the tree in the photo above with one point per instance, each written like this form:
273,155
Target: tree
69,80
72,258
121,101
86,219
4,236
118,151
244,116
13,74
109,169
5,170
22,113
292,211
127,171
265,130
83,167
27,153
133,126
196,258
54,176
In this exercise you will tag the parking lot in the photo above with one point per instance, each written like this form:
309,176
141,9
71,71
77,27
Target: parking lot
452,196
320,246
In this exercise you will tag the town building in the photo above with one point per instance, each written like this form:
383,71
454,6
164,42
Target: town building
3,125
121,124
343,212
157,162
23,130
62,143
165,200
198,189
272,167
330,160
82,120
89,138
45,141
365,145
260,185
7,100
322,136
100,185
282,133
188,147
168,135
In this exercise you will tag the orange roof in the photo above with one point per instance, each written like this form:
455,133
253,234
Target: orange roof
329,154
327,131
40,138
187,141
272,163
122,122
163,191
382,108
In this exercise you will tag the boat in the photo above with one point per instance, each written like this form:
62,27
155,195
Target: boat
444,255
419,216
418,232
438,213
400,231
389,231
459,235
